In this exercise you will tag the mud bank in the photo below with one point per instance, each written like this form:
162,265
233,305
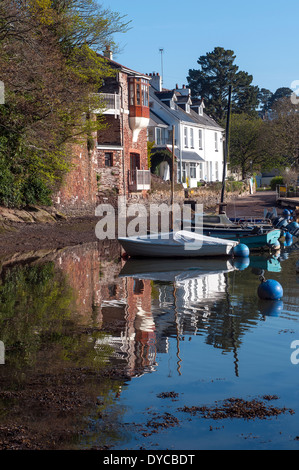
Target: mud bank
58,232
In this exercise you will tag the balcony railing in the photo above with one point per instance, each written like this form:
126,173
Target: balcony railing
111,103
139,180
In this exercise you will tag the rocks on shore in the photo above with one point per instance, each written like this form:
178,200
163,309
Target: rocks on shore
29,215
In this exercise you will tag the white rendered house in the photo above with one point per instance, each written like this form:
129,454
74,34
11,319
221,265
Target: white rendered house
198,138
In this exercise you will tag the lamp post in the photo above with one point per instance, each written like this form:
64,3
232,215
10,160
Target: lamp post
226,151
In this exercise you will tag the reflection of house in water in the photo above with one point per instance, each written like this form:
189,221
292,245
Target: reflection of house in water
118,305
193,297
182,294
135,339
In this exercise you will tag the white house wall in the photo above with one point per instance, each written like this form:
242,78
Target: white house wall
207,153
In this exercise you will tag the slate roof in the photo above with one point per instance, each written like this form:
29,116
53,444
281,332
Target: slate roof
156,120
183,116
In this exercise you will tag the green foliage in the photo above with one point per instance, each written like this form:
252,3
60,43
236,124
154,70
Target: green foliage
52,77
250,145
234,186
277,180
150,146
212,80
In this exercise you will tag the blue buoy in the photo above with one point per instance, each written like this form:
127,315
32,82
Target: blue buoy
286,213
241,263
241,251
288,236
271,308
291,227
270,290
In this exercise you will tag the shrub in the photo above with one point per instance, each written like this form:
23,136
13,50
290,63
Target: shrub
276,181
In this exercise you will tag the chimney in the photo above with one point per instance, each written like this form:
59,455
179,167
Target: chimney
156,81
108,53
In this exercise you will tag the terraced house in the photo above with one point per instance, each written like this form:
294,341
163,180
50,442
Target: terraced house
117,164
198,139
122,146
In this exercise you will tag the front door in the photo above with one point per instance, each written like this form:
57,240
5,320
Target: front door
134,162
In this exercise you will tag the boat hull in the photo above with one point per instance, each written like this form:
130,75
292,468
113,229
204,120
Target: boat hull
159,247
252,241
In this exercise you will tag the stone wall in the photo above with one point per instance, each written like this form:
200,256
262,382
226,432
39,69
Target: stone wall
77,194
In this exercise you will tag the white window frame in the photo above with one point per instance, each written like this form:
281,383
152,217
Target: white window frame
192,170
216,142
186,143
200,141
191,138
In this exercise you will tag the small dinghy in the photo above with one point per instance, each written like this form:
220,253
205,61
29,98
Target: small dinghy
181,244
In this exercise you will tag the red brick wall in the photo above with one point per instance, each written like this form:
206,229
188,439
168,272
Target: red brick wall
82,189
118,132
77,194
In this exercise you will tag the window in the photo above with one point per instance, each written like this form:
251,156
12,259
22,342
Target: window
201,171
191,138
132,93
138,92
184,173
192,170
200,139
216,171
144,85
108,159
186,136
160,136
216,142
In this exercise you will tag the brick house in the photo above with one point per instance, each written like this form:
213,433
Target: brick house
122,146
118,163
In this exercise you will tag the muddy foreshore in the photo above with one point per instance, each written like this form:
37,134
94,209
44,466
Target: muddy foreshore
25,237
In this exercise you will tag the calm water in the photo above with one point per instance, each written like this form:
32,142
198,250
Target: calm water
182,333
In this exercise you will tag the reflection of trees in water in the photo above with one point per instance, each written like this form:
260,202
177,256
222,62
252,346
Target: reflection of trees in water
55,368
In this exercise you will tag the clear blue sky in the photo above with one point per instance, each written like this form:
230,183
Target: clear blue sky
262,33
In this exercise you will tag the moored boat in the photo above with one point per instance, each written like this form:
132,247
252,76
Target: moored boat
181,244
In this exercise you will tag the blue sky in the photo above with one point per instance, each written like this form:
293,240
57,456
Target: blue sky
262,33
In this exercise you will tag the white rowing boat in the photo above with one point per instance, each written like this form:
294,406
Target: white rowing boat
181,244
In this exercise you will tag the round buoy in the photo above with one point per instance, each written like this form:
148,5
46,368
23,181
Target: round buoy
271,308
270,290
288,236
286,213
292,227
241,251
241,263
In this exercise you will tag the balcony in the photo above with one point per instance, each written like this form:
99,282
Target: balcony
139,180
111,102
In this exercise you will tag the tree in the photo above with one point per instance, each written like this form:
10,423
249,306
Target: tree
284,130
250,145
211,82
51,77
268,100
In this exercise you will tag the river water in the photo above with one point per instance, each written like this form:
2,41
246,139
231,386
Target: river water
102,352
